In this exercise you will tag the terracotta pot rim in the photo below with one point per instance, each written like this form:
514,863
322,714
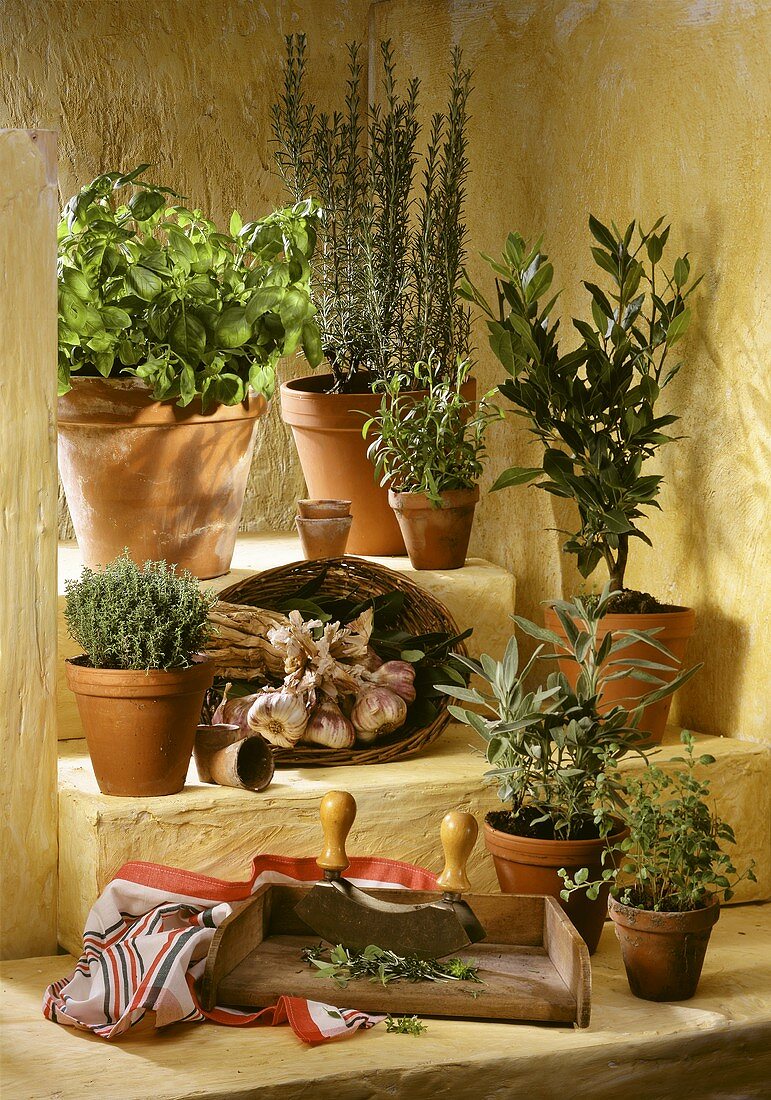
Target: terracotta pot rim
134,407
653,921
419,502
557,853
304,403
323,523
614,619
84,679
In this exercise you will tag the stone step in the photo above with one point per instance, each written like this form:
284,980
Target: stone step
479,595
713,1046
217,830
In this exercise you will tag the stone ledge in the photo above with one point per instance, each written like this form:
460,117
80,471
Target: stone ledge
217,830
714,1046
479,595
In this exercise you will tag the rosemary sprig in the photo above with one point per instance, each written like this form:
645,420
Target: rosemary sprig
405,1025
380,965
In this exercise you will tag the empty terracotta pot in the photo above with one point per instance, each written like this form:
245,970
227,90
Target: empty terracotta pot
528,866
327,431
436,538
223,755
663,952
675,628
140,726
166,482
323,509
324,538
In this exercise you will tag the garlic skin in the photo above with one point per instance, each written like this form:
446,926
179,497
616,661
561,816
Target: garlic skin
398,677
370,660
376,712
328,726
280,717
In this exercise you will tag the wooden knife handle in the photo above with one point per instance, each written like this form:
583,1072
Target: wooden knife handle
458,833
337,811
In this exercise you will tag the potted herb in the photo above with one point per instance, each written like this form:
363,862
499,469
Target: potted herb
168,323
668,874
141,681
429,450
594,410
386,270
552,753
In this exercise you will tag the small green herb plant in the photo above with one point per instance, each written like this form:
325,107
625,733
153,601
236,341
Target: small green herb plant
429,444
132,617
552,752
392,242
150,288
593,408
673,860
405,1025
379,965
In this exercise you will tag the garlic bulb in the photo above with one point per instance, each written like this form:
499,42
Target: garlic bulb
280,717
370,660
329,726
398,677
377,711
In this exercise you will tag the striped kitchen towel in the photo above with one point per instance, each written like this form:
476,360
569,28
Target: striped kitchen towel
146,941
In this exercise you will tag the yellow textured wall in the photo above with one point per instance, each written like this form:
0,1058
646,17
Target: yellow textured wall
28,818
635,108
186,85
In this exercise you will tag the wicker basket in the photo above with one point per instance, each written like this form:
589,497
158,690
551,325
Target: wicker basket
345,577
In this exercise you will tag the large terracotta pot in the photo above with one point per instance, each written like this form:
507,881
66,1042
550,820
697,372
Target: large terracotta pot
166,482
527,866
327,431
663,952
675,628
140,726
436,538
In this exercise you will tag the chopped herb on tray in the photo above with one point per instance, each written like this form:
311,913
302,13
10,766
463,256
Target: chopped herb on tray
379,965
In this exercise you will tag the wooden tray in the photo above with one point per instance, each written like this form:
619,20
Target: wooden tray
533,963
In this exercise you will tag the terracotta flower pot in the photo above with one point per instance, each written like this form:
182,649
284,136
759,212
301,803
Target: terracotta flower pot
436,538
140,726
224,756
324,538
663,952
676,627
168,483
333,455
528,866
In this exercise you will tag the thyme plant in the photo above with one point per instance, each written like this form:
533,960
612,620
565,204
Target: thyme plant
593,408
133,617
553,750
392,243
431,444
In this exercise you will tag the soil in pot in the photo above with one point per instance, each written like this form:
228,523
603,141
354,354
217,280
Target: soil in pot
168,483
333,454
530,865
675,626
436,538
663,952
140,726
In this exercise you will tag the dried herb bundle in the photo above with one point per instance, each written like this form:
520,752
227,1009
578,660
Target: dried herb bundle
342,966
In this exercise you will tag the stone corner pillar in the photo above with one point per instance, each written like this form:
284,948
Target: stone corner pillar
28,585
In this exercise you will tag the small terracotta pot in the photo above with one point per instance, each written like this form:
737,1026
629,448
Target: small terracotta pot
675,628
323,538
166,482
140,726
436,538
223,755
323,509
663,952
333,455
527,866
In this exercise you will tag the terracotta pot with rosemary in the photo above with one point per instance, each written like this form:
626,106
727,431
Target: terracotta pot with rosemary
668,875
429,450
141,681
553,755
593,410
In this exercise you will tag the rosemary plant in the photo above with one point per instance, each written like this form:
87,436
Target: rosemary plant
392,244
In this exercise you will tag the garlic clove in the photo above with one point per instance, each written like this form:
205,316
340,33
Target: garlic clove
377,711
329,726
398,677
280,717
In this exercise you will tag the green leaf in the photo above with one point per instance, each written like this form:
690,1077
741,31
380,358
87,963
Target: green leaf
294,308
265,300
678,326
682,271
601,233
143,282
146,203
311,341
516,475
187,337
233,329
236,223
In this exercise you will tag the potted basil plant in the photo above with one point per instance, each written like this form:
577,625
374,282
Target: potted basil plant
170,330
667,876
594,410
553,755
429,448
141,680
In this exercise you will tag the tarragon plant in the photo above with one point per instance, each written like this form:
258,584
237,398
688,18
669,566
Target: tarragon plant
593,408
150,288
